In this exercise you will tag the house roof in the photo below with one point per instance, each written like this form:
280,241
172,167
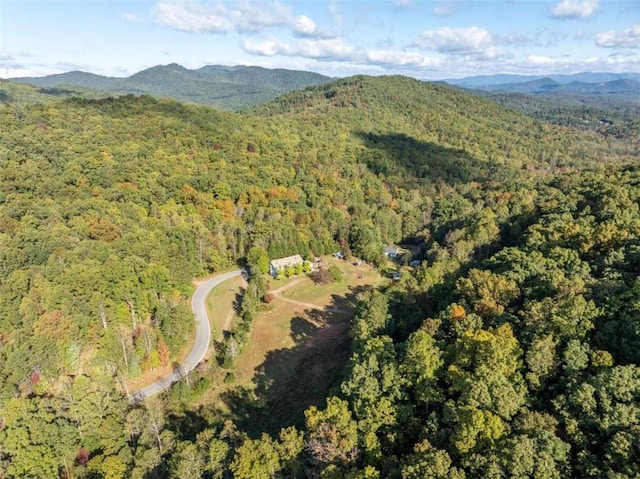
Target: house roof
391,250
281,263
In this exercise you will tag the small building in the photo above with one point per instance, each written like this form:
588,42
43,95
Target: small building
281,264
392,252
415,263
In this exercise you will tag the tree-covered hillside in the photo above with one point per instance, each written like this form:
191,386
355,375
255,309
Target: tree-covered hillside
511,351
384,109
229,88
610,118
12,92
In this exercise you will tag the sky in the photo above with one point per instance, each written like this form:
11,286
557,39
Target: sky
425,39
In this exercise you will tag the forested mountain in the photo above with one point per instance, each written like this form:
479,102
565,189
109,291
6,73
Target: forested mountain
511,351
223,87
12,92
435,123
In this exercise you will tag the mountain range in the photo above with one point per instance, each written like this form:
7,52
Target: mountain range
621,89
483,82
236,87
225,87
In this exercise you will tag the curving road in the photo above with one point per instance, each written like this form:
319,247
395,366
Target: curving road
201,343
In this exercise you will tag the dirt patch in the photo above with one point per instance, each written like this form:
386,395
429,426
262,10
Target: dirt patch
311,306
287,286
149,377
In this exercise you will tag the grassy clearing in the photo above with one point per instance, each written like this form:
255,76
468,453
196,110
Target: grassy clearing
354,277
295,353
221,305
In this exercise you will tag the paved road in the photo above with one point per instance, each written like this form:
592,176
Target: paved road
201,343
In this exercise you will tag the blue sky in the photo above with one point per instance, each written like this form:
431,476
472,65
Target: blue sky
420,38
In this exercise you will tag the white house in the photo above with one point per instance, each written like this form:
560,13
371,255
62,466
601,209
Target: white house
281,264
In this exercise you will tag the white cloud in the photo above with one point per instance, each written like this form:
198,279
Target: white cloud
629,38
323,49
455,40
129,17
21,64
539,64
255,16
266,48
400,58
575,8
193,17
544,64
335,49
305,26
486,55
542,61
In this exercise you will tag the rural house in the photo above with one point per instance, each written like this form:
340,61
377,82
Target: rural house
282,264
392,252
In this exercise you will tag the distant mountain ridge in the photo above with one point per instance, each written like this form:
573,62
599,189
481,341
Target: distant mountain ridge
226,87
486,81
541,85
548,86
596,89
239,86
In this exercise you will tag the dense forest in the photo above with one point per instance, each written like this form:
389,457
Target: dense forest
511,351
610,117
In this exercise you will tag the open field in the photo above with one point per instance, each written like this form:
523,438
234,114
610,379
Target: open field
338,293
221,305
296,351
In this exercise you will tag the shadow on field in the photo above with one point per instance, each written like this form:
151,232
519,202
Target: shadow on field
291,380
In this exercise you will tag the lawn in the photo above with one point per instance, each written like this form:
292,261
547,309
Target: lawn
354,278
